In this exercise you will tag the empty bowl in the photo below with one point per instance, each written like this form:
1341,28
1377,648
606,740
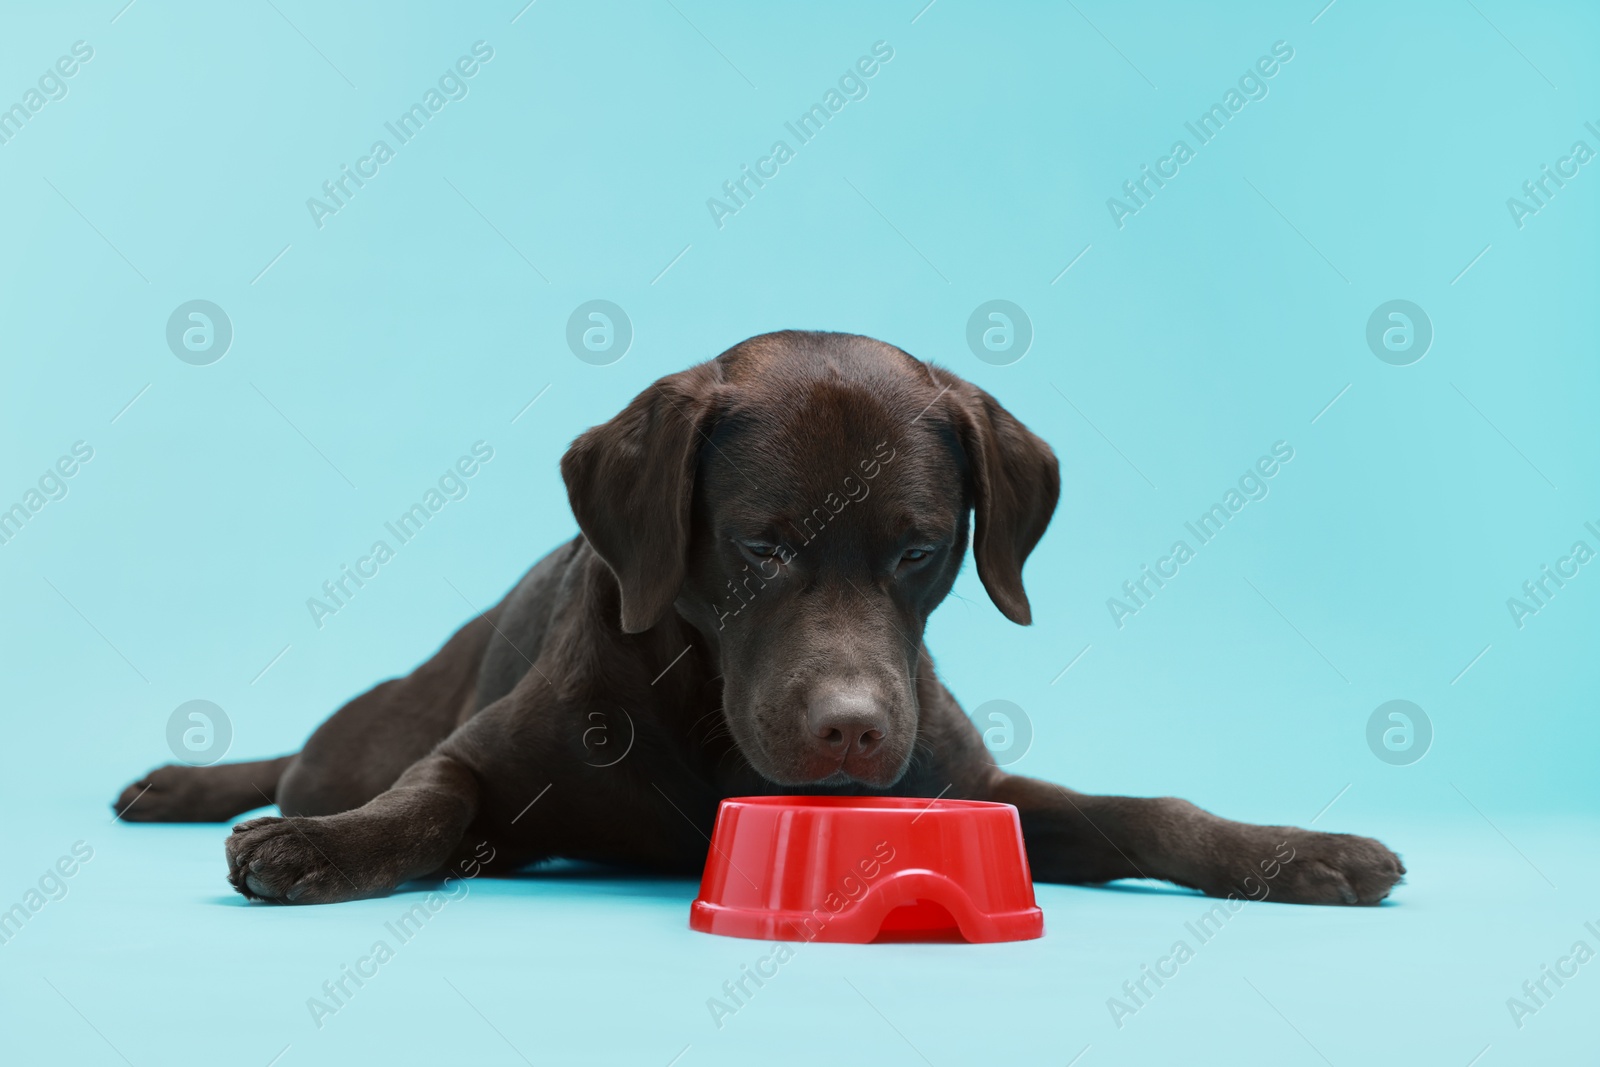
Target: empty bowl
859,869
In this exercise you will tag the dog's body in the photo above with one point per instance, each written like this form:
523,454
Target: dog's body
763,538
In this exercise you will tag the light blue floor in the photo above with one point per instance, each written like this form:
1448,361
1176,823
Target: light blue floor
151,958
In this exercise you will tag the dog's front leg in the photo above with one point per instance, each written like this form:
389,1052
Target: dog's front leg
407,832
1074,837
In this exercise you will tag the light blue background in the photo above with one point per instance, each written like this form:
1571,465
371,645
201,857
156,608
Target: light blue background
1223,317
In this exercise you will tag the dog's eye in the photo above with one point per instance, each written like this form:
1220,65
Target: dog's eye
760,548
915,555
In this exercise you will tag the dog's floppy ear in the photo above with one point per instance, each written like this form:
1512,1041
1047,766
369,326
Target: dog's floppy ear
1016,482
630,482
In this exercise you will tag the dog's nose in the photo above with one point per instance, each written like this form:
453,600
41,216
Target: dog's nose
850,722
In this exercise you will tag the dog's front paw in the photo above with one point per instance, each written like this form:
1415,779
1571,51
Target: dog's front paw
297,861
1307,867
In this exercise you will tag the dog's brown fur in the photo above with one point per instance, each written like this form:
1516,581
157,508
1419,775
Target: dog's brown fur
763,538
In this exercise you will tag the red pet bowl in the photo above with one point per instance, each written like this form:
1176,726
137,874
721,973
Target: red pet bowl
854,869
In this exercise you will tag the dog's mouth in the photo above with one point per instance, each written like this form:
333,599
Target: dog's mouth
837,779
807,770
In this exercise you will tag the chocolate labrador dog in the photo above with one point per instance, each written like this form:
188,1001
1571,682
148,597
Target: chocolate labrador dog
763,538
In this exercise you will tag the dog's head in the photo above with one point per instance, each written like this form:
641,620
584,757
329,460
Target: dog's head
803,501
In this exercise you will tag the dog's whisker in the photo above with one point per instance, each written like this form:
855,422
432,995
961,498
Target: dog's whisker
703,718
